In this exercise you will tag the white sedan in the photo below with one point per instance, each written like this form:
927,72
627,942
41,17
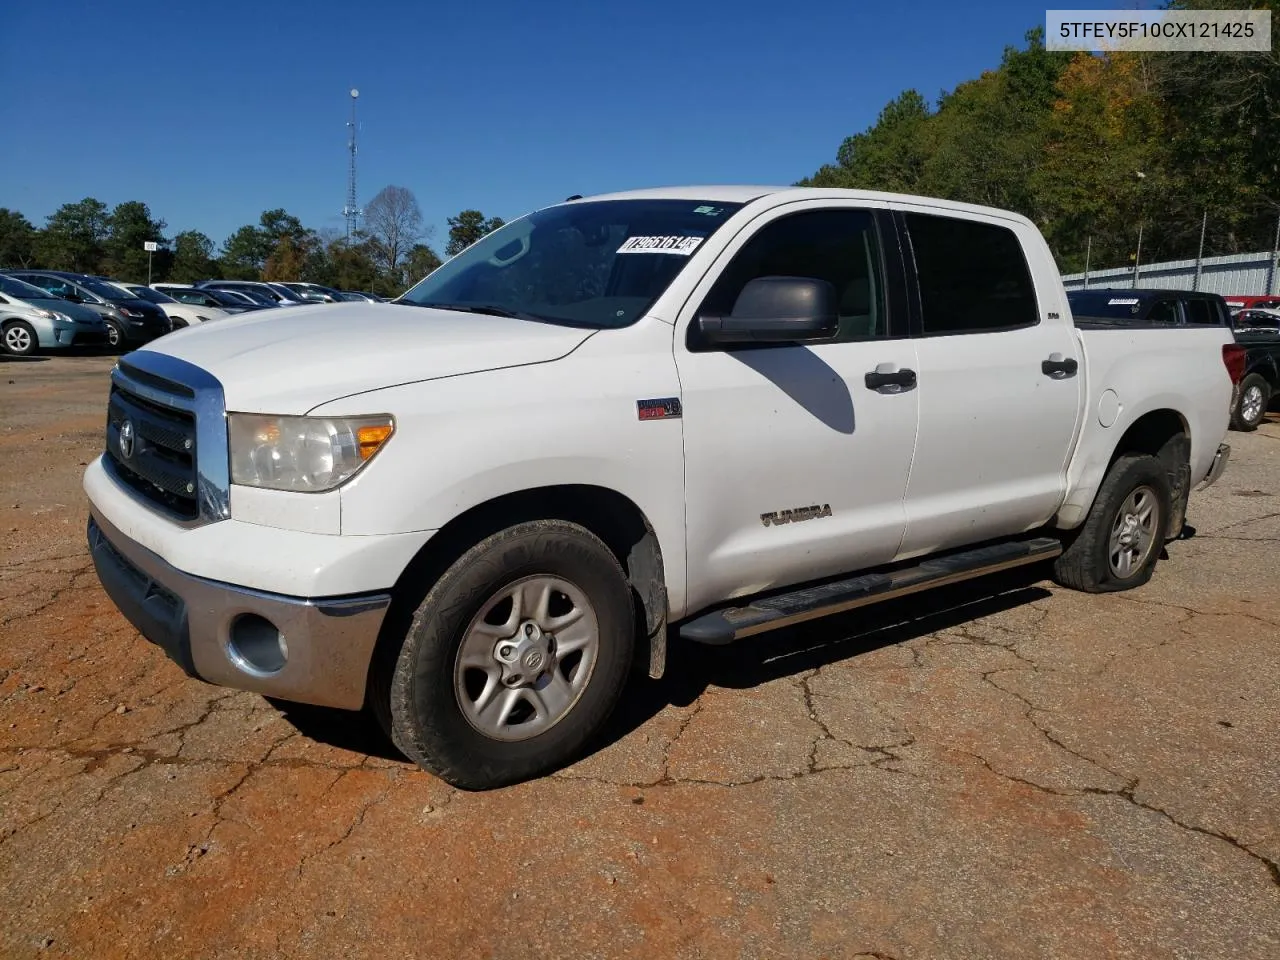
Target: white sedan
182,314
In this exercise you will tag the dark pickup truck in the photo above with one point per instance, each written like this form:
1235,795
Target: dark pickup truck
1258,331
1254,330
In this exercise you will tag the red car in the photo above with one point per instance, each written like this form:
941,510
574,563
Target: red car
1270,302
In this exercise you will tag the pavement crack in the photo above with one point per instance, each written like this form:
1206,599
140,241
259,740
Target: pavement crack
1128,793
356,821
54,595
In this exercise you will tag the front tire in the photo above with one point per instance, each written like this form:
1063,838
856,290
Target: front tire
20,338
515,658
1251,403
1120,541
115,336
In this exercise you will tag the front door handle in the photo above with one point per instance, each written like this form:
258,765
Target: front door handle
886,378
1058,368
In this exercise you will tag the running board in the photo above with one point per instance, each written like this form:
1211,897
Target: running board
808,603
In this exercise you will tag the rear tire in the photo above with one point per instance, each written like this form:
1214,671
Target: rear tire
515,658
1124,533
1251,403
20,338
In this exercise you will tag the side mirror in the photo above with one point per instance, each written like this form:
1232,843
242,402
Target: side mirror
72,296
777,310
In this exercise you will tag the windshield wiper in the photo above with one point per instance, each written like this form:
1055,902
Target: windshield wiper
488,309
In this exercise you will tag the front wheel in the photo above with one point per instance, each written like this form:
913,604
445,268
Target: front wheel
20,338
115,336
1117,546
515,658
1251,403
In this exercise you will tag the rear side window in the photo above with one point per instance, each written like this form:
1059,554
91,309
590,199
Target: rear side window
1201,311
973,276
1164,312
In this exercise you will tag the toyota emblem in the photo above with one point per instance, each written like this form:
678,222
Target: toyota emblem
126,439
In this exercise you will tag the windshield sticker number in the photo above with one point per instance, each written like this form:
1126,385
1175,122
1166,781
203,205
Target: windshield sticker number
1122,302
680,246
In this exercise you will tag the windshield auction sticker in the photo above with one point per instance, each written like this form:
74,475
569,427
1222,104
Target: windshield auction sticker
1105,31
680,246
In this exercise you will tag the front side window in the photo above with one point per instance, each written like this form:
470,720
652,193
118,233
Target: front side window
21,290
839,246
598,264
973,276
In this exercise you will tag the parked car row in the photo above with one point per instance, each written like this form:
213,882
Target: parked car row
1255,327
129,320
57,309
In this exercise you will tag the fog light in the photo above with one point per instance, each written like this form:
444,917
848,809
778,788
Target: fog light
256,645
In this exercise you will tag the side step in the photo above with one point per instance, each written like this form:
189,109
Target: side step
808,603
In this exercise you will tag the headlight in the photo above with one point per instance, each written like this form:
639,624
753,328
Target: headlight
130,313
305,454
45,314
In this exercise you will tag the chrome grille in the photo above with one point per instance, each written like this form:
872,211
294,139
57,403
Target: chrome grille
166,437
153,450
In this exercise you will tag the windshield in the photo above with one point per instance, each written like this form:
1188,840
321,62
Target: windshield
596,264
253,295
285,293
105,290
146,293
21,290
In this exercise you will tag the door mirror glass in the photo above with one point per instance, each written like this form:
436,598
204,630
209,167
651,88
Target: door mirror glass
777,310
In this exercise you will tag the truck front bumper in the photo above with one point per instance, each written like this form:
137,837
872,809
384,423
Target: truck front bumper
295,648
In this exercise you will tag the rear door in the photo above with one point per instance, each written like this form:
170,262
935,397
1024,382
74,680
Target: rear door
796,463
999,382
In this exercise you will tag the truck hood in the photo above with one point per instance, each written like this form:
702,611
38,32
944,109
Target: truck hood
290,361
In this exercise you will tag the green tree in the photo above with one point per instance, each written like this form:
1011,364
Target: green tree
17,239
352,264
129,226
285,262
419,262
468,227
73,236
244,254
192,258
888,156
277,223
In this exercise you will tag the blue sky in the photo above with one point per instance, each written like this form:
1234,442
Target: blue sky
213,113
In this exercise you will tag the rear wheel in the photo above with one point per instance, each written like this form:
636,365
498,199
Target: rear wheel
20,338
1121,539
515,658
1251,403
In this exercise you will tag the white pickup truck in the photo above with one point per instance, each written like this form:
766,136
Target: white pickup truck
700,413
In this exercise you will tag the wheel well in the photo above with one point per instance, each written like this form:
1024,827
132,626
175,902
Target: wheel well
1151,433
1163,434
612,517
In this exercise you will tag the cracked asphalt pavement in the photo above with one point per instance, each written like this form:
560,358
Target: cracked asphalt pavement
1004,769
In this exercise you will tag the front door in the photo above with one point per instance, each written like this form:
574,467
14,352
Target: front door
795,465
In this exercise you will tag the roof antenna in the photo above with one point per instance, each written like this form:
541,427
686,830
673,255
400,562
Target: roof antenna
576,196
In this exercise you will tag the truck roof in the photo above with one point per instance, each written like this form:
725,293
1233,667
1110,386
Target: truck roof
742,193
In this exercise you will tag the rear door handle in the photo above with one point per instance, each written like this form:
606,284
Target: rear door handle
1058,368
886,378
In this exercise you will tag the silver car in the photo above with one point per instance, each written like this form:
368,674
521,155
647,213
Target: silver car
32,319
